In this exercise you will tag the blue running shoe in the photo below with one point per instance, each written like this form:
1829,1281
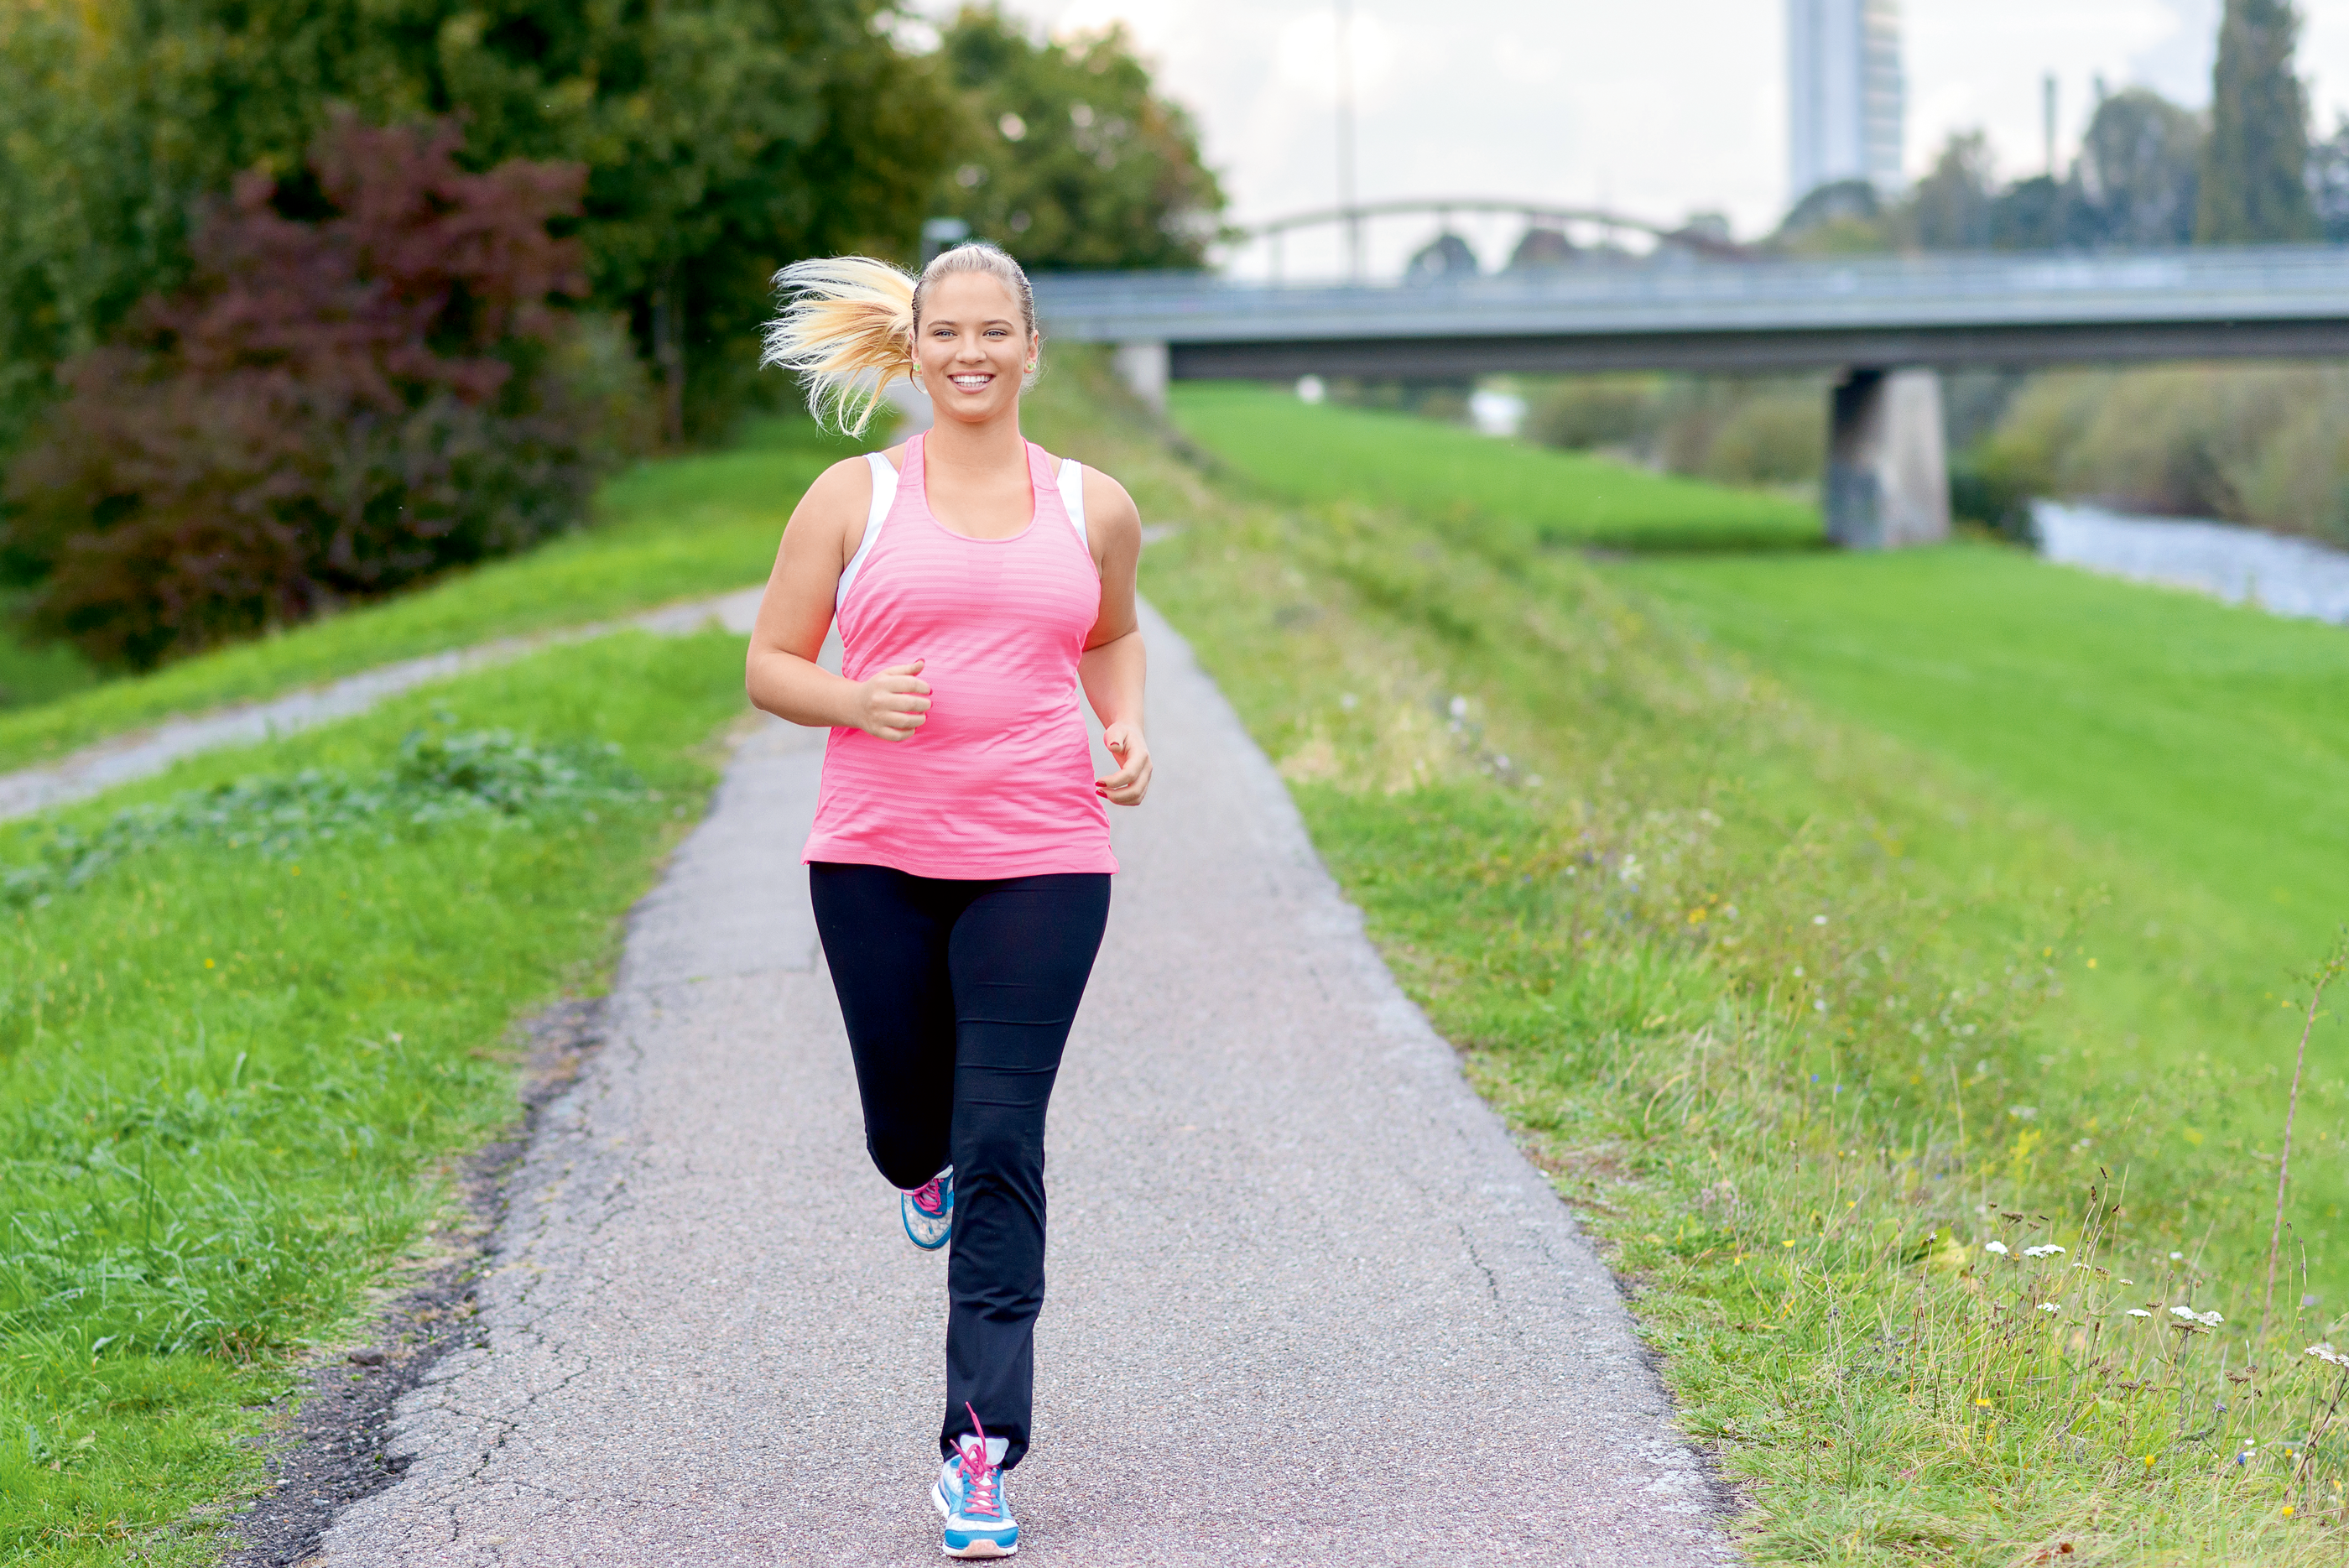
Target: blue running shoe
928,1212
969,1493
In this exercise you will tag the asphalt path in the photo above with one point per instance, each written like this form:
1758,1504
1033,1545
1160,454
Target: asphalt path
119,758
1308,1302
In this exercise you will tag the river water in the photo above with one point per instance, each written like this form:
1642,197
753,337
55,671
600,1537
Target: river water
2242,566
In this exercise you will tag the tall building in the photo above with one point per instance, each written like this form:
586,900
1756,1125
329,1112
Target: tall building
1845,101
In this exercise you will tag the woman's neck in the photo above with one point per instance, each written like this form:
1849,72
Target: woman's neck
979,447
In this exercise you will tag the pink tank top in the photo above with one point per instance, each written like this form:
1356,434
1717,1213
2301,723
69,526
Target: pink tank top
998,780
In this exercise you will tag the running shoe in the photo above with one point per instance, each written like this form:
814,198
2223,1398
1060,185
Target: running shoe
928,1212
969,1493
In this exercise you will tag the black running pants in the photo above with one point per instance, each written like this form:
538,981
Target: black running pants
959,997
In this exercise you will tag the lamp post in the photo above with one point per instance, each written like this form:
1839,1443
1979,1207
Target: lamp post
1345,19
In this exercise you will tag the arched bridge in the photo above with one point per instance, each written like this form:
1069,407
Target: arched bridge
1543,220
1885,323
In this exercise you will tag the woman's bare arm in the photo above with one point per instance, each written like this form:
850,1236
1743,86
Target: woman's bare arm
1114,665
782,674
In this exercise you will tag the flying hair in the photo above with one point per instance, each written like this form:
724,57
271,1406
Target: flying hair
846,328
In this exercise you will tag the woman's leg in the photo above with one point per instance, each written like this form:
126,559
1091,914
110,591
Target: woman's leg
1019,956
884,940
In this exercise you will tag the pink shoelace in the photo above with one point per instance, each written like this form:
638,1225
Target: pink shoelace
926,1198
981,1480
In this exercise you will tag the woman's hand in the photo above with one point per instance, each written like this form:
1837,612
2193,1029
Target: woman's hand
890,706
1132,781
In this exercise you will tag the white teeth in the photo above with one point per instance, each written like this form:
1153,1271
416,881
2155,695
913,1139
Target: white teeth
970,383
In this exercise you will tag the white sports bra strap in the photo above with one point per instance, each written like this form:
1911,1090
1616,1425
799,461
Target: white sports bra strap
1072,494
884,495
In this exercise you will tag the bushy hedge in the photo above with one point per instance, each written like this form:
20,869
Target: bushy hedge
1730,430
367,380
2263,444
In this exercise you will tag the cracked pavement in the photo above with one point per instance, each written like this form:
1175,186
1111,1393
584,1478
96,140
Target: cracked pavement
1308,1303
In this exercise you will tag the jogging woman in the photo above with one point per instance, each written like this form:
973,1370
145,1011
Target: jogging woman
960,860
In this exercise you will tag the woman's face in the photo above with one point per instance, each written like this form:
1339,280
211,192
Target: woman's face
971,346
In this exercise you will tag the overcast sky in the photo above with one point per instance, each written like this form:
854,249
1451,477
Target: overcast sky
1657,109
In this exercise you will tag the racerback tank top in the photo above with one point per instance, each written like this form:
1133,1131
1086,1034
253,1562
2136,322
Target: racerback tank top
998,780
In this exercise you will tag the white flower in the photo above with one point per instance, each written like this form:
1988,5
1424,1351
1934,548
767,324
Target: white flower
2128,1281
1818,919
1998,1247
2210,1320
2049,1306
2139,1312
2185,1311
2048,1249
2325,1352
2175,1257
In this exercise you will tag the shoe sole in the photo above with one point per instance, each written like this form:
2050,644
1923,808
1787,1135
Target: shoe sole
983,1548
978,1548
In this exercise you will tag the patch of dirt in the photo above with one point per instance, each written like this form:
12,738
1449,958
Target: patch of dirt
329,1450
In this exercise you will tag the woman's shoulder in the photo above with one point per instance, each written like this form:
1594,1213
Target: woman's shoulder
1106,501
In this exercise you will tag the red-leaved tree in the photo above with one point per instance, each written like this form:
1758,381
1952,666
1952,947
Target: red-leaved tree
337,407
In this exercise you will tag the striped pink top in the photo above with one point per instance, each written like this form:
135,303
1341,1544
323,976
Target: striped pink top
998,780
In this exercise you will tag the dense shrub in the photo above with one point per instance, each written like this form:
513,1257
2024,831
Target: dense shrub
2257,444
1578,412
1729,429
365,383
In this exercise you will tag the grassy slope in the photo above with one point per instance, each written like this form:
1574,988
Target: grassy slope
226,1084
1314,454
2230,728
1795,1009
664,531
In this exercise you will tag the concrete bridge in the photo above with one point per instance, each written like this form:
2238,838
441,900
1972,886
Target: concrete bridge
1884,324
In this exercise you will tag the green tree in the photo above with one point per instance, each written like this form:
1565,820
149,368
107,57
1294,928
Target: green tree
2254,168
1068,159
2138,172
723,138
1950,208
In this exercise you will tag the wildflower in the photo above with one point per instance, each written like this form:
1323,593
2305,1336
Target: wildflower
1818,919
2210,1320
2139,1312
2323,1351
2046,1251
1983,1403
1998,1247
2185,1311
2049,1306
2128,1281
2176,1257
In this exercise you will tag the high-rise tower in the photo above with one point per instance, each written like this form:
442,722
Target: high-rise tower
1845,101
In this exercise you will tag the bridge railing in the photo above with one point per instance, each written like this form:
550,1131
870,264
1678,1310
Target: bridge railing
2201,283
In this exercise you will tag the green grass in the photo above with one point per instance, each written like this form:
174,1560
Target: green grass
2208,742
30,675
232,1077
1304,453
663,531
1802,1009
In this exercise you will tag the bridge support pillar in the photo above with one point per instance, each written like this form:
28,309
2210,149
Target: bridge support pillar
1142,367
1888,471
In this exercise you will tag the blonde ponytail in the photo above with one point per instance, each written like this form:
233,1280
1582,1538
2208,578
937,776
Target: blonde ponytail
847,330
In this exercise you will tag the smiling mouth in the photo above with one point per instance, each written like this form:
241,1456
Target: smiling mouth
971,383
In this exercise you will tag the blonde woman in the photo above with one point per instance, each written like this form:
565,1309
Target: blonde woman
960,860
